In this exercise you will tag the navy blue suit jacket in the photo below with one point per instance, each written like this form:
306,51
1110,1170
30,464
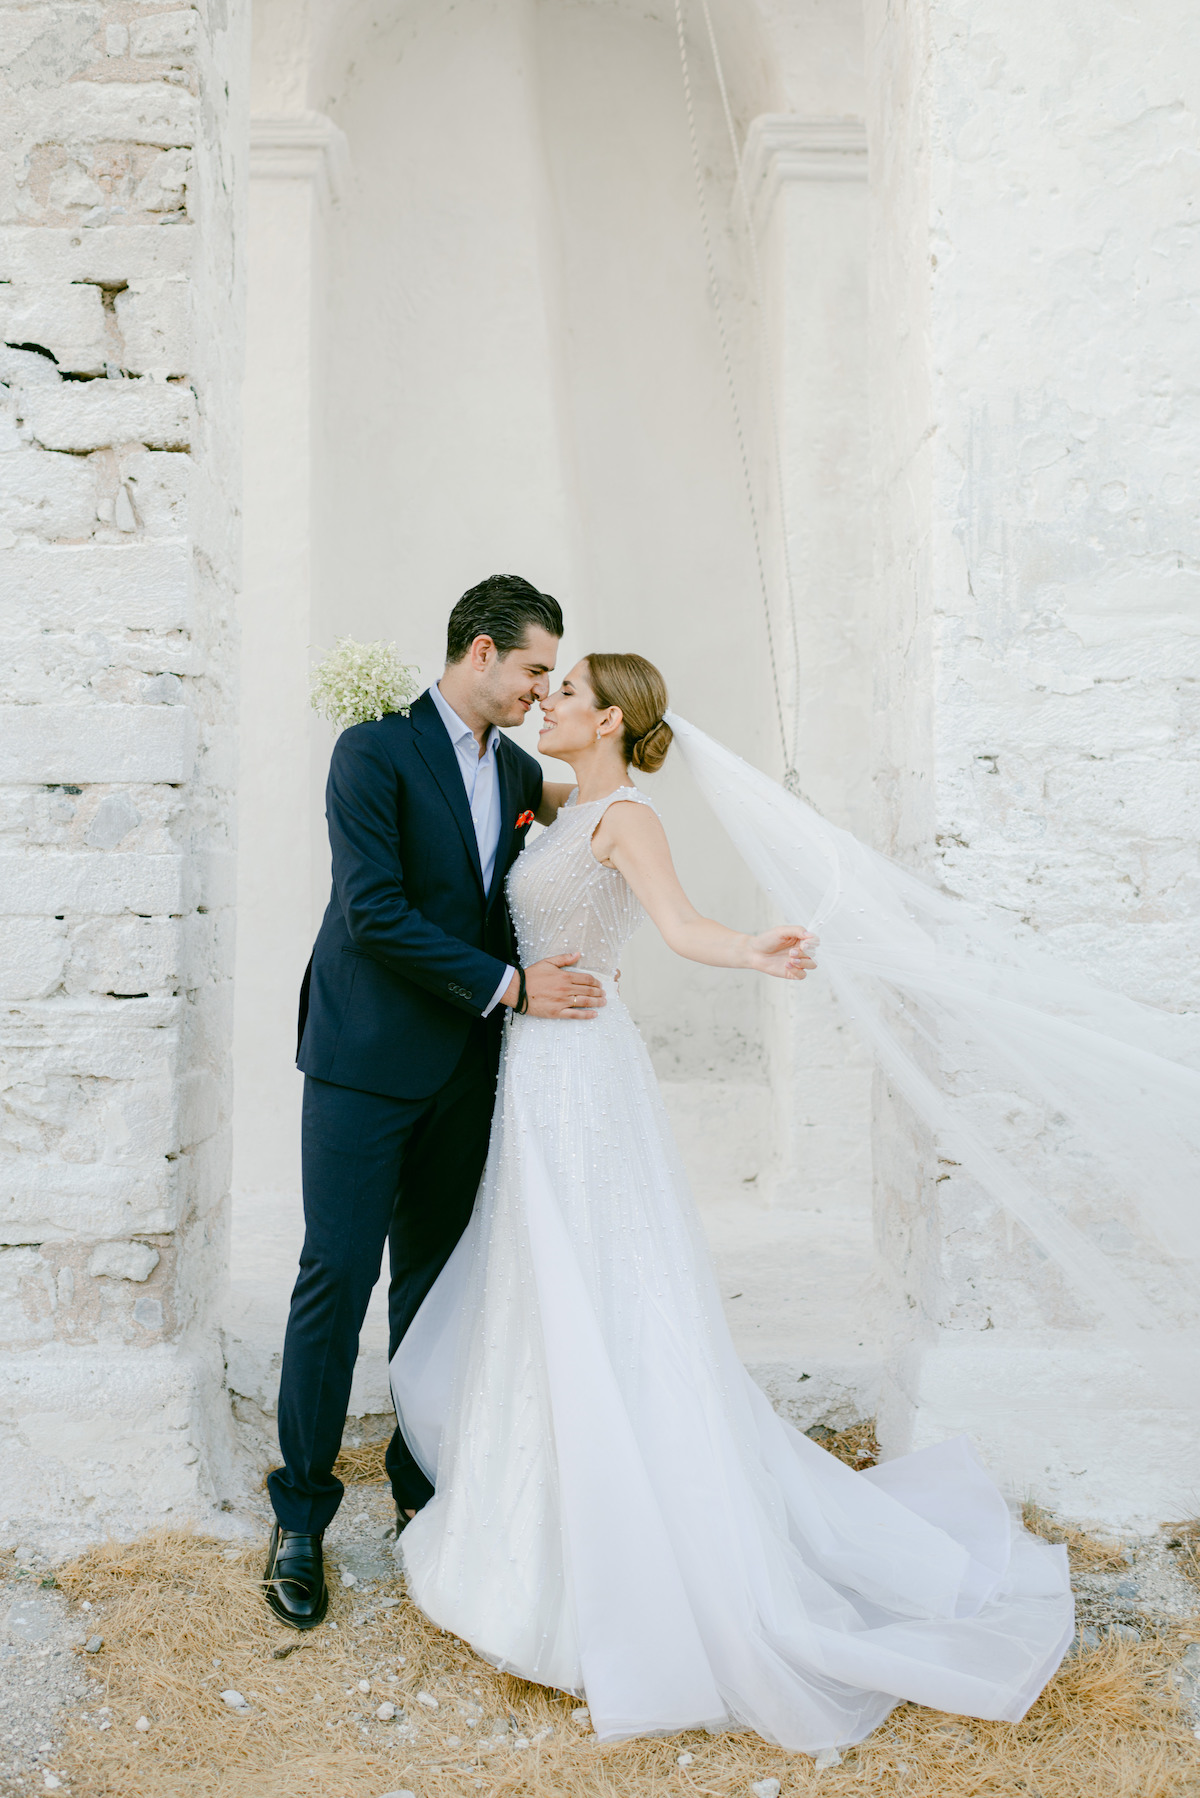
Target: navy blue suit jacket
411,948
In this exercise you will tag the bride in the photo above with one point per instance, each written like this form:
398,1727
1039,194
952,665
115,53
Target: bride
618,1510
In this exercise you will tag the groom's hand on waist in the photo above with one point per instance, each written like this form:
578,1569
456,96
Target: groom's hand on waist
556,989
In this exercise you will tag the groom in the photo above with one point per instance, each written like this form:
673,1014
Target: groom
400,1017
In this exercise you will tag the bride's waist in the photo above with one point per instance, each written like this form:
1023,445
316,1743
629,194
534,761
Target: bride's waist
612,998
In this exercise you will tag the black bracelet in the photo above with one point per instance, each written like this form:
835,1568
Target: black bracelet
522,1004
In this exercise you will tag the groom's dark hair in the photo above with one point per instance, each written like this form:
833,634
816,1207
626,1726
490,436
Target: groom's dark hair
502,607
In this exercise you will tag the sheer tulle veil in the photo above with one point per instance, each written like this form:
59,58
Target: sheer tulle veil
1074,1108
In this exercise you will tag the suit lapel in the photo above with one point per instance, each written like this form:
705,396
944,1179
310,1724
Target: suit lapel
437,752
508,817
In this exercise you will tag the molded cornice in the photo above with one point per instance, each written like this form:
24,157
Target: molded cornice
300,146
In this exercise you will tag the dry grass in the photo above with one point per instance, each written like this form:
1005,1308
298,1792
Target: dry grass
1088,1553
857,1446
171,1604
362,1466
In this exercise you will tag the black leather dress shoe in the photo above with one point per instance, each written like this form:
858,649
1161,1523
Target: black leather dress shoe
294,1581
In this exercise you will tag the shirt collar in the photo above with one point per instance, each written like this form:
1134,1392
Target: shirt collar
459,732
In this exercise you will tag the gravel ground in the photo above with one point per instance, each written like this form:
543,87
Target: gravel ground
43,1653
42,1671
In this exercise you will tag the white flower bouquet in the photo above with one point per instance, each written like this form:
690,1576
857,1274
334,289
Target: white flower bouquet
359,681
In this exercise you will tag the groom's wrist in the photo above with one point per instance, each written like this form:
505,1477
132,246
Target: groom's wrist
512,991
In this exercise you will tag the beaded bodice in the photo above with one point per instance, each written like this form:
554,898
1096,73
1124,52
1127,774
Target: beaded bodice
562,899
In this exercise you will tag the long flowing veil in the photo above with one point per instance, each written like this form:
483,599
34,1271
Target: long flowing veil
1075,1108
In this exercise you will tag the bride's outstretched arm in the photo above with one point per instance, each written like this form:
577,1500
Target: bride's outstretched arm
631,839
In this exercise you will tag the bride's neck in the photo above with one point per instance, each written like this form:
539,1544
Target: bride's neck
599,772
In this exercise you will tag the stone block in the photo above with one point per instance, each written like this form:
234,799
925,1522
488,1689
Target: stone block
154,324
166,34
1153,798
202,1098
91,112
32,951
65,317
109,1437
112,822
123,1261
62,1201
83,743
46,495
19,369
124,955
1096,1433
140,587
159,484
105,254
163,188
98,414
27,1297
46,884
212,879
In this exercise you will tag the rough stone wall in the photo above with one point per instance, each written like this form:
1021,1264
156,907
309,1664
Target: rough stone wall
120,291
1036,436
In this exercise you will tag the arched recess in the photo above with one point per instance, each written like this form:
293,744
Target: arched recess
482,336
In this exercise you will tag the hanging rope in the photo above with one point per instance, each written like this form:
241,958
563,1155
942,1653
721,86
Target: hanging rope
731,383
791,778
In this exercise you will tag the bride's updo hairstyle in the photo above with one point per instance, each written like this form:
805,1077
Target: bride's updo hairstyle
636,686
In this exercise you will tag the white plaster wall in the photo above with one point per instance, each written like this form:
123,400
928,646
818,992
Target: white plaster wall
1035,377
522,371
120,271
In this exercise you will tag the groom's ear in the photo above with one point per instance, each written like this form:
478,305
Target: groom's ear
481,653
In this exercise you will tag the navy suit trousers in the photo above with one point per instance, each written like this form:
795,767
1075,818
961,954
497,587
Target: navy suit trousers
376,1170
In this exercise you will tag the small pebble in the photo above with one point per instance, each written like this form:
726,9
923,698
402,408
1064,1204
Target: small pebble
828,1757
454,1741
766,1788
428,1700
364,1685
582,1716
234,1700
51,1781
520,1741
386,1712
94,1645
684,1760
388,1604
348,1579
403,1793
142,1723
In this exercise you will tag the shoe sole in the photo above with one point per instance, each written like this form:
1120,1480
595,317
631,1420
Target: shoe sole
294,1622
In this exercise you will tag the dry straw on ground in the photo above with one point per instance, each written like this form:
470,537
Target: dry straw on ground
1088,1553
183,1621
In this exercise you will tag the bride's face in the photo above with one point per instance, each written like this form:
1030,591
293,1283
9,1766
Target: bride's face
572,716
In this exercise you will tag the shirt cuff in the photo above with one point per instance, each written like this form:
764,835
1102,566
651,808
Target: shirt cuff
498,994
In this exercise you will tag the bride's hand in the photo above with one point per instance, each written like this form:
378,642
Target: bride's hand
784,952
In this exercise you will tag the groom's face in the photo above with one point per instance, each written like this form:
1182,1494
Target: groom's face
514,683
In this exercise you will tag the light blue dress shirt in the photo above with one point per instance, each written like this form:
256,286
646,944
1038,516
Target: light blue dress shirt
481,781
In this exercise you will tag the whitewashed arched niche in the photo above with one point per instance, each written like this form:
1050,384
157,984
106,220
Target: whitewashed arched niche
482,337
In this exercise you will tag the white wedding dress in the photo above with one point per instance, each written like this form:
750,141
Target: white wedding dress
619,1512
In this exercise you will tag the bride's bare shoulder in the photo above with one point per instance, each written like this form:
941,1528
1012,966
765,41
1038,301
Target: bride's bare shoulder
629,821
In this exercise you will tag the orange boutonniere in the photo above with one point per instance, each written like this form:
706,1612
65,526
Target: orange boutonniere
523,820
